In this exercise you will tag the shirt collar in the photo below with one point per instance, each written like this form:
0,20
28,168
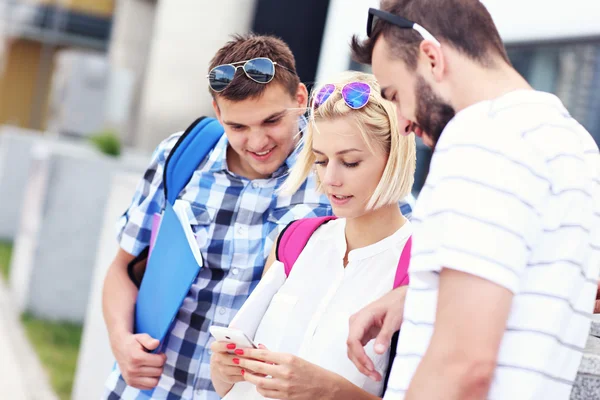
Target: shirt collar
218,157
293,157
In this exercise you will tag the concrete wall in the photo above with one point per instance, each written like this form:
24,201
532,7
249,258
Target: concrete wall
128,52
15,158
587,382
60,226
72,219
187,33
95,356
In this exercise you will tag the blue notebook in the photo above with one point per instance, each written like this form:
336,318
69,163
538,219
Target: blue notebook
170,272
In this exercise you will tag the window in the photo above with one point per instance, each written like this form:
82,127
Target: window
569,70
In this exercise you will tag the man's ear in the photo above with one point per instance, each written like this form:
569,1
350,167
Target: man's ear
217,110
435,62
302,98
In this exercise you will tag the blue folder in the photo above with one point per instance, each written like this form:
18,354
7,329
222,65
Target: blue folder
172,268
170,272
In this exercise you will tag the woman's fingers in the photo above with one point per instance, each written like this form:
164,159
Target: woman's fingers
267,387
259,367
222,347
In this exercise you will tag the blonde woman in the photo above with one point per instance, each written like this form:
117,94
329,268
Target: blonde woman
365,166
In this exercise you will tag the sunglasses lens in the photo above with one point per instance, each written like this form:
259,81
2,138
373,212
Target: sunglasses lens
356,94
324,94
221,76
261,70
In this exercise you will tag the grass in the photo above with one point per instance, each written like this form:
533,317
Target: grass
5,252
56,343
57,346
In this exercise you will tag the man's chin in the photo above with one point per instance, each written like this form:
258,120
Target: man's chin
265,170
428,141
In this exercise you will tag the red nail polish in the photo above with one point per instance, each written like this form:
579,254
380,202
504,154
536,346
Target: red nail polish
236,360
231,346
243,372
239,352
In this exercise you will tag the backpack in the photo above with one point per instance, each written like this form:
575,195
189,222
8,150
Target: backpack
294,238
189,152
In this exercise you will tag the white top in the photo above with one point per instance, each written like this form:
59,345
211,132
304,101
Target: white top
512,196
307,314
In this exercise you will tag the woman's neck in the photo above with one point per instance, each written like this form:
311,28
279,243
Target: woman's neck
373,227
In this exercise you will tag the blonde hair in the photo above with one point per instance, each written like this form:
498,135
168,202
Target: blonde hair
378,125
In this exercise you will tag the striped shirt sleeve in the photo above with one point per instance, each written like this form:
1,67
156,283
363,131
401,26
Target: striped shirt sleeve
484,208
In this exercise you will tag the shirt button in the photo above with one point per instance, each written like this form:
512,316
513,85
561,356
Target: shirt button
255,185
240,230
235,271
222,311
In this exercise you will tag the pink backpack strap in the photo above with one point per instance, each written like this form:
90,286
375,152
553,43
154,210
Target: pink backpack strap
156,219
401,278
293,239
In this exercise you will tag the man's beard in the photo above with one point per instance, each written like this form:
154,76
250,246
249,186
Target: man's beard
433,114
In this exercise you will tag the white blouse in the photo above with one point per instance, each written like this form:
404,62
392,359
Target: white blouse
307,314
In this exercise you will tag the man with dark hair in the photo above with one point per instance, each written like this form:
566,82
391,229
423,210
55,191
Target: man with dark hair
506,252
235,213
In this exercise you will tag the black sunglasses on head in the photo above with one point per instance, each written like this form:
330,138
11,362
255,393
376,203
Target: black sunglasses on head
396,20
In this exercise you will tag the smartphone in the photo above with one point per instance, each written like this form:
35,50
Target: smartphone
231,335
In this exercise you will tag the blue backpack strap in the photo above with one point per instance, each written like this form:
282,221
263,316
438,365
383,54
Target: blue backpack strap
293,239
187,154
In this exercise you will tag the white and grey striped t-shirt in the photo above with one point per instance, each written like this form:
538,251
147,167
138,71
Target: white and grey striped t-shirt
513,196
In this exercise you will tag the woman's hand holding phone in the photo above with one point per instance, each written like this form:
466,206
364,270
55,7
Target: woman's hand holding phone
225,359
224,363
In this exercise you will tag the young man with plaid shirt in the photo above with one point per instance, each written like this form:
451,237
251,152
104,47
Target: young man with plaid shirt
236,215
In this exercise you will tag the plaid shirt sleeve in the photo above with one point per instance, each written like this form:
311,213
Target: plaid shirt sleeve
406,206
135,225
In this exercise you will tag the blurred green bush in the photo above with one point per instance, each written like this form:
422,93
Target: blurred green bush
108,142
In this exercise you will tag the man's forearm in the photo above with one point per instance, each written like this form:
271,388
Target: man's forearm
451,379
461,358
344,389
118,301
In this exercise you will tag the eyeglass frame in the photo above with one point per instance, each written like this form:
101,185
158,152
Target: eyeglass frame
399,22
243,64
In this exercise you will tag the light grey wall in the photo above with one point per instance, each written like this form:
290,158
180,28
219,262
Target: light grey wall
129,51
15,158
95,357
59,228
186,35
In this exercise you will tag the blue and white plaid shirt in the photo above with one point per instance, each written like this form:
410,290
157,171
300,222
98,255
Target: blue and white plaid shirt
236,222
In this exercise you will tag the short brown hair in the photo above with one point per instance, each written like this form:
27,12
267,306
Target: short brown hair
246,47
466,25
